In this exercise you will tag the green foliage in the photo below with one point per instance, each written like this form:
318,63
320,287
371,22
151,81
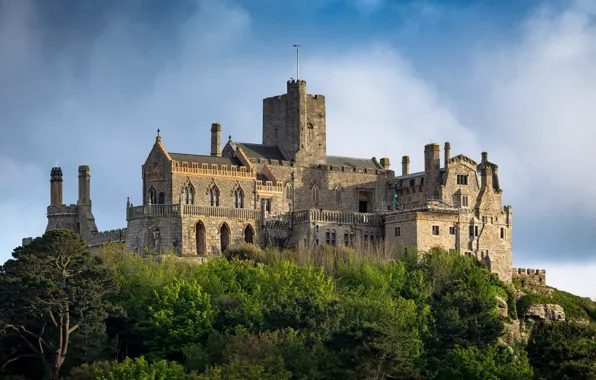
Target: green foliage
316,314
52,290
132,369
494,362
563,350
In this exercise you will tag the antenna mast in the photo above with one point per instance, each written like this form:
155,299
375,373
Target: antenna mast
297,61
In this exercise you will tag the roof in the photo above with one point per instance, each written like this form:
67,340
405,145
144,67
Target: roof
365,163
200,158
268,152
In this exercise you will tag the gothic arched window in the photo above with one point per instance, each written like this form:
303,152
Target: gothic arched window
238,198
189,195
288,191
315,193
338,195
213,196
162,198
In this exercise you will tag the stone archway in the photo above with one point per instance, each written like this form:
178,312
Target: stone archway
249,234
201,238
224,236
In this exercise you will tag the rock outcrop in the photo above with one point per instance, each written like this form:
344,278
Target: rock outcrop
545,312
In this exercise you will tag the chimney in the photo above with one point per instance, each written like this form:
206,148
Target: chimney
484,157
447,154
385,163
84,185
486,179
216,139
56,187
405,165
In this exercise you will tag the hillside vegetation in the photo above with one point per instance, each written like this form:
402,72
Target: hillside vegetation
320,314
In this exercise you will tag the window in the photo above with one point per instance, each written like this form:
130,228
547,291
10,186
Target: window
464,201
333,240
338,195
462,179
412,182
267,203
213,196
452,230
327,237
238,198
346,239
189,195
162,198
288,191
315,194
436,230
502,233
473,231
397,231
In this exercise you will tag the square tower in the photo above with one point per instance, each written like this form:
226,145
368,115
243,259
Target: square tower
296,123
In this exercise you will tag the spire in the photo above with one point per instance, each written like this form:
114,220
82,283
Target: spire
158,138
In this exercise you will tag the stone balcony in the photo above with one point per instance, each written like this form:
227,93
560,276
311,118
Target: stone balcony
139,212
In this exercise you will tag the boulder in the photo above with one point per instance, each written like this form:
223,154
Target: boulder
502,308
545,312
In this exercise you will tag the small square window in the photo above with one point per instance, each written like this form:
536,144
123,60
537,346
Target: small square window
436,230
452,230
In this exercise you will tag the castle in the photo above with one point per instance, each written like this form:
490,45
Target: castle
288,192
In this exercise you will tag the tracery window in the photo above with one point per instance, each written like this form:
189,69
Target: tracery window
214,196
238,198
189,195
152,196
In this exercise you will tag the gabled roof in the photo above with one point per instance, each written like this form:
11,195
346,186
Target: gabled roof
365,163
200,158
268,152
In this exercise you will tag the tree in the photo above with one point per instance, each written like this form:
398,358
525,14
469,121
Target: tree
51,289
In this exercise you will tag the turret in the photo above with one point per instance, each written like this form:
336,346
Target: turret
56,186
216,139
405,165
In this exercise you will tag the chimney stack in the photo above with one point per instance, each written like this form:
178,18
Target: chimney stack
405,165
84,186
216,139
385,163
447,154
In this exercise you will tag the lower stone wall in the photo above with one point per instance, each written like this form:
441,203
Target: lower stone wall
239,231
154,233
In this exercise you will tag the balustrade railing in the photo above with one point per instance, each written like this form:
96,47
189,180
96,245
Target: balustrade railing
222,212
339,217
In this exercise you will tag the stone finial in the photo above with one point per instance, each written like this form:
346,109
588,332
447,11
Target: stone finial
158,137
127,201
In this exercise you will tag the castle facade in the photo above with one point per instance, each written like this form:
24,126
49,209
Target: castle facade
286,191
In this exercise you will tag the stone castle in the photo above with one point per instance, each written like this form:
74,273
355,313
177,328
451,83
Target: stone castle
288,192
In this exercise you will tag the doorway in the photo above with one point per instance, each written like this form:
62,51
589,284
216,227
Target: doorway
224,236
201,238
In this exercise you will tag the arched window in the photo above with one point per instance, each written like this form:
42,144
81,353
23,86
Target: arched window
249,234
224,236
201,238
152,196
238,198
315,193
189,195
213,196
162,198
288,191
338,195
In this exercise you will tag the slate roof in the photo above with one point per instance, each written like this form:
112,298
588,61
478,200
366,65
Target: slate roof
200,158
260,151
416,175
365,163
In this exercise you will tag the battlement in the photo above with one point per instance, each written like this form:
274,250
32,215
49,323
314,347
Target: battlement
531,277
269,187
62,210
204,169
104,237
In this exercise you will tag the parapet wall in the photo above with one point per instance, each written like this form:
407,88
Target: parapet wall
530,277
104,237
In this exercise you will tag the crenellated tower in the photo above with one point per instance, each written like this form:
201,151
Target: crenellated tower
296,123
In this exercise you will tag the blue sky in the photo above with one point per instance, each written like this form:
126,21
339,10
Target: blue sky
89,82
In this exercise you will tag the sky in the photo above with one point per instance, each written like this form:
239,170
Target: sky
85,82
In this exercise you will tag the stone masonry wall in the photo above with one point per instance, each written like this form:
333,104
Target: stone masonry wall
530,277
